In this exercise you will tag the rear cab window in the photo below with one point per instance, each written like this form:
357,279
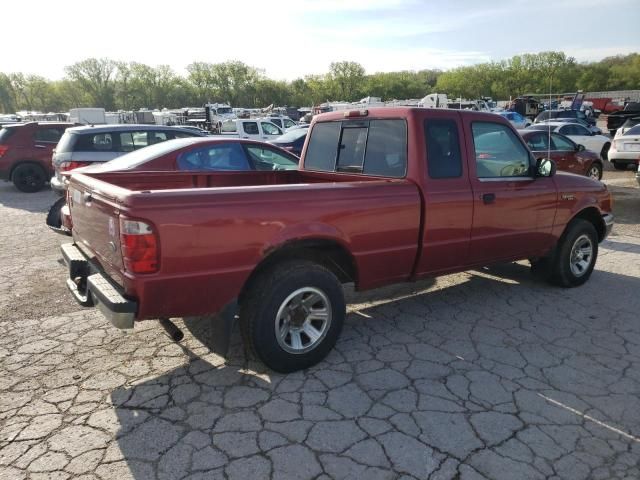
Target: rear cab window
372,147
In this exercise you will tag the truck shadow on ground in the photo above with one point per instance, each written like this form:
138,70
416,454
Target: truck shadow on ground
205,413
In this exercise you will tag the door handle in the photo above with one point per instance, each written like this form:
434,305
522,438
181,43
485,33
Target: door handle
488,198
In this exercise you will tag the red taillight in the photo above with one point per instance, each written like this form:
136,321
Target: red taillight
356,113
66,166
139,246
3,149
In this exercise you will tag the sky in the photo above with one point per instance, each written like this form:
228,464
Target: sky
288,39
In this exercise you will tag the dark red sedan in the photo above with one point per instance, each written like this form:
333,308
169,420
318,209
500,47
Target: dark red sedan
568,155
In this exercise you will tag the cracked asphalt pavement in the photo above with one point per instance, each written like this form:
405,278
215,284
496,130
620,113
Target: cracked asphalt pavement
484,374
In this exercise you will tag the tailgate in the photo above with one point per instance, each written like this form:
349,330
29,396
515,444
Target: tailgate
96,230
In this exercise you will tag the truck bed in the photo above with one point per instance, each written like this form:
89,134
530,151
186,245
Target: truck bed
214,228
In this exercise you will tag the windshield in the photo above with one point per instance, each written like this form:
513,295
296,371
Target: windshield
143,155
633,131
224,110
292,136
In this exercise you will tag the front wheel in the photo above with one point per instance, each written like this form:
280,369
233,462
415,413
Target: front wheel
595,171
28,177
292,315
575,255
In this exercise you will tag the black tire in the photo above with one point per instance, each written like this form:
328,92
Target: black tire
269,294
54,217
566,271
595,171
604,153
29,177
619,166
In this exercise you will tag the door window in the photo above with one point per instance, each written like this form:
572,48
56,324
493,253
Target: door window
288,123
276,121
573,130
561,143
250,128
101,142
51,135
538,142
264,158
386,152
157,137
498,151
443,149
130,141
228,156
270,129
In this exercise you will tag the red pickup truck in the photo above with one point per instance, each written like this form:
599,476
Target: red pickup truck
382,196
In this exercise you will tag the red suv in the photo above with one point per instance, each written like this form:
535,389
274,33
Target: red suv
25,153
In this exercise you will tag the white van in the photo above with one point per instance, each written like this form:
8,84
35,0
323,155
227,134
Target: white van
252,129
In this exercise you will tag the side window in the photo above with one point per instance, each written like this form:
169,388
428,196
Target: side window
580,130
561,143
126,142
276,121
443,149
288,123
323,147
157,137
224,157
267,159
538,142
386,153
48,134
498,151
270,129
102,142
351,150
250,128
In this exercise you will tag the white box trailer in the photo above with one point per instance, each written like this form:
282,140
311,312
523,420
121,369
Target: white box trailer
87,116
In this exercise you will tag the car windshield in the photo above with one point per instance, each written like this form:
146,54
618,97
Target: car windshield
633,131
224,110
292,135
138,157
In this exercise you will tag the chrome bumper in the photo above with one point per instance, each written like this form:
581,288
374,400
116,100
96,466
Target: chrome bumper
92,288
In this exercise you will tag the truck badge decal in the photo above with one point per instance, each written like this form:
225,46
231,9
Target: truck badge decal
568,196
112,227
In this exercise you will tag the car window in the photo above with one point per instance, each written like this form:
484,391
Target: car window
265,158
157,137
100,142
250,128
183,134
562,143
351,150
276,121
498,151
571,130
323,147
386,148
633,131
288,123
538,142
5,133
130,141
443,149
224,157
270,129
51,135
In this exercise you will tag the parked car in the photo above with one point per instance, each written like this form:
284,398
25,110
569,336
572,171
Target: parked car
553,114
251,129
193,128
584,123
625,149
568,155
283,122
82,146
292,141
517,120
25,153
616,119
579,134
629,123
384,195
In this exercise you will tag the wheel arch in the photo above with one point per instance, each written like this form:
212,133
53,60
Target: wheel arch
593,216
326,252
26,162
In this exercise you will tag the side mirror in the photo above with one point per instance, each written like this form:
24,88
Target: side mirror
545,167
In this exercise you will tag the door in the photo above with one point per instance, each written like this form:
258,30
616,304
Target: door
448,198
269,131
250,131
513,211
565,151
45,141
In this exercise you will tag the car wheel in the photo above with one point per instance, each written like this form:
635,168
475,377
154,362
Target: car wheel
54,217
604,153
292,315
619,166
575,255
595,171
29,177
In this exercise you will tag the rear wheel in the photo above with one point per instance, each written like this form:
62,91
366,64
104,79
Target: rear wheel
619,166
595,171
292,315
576,254
29,177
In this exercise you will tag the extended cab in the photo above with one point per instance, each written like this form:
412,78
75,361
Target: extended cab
383,196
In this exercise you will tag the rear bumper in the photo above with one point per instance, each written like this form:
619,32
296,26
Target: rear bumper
90,287
58,186
608,223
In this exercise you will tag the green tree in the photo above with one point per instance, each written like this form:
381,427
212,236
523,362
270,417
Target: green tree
96,77
347,79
